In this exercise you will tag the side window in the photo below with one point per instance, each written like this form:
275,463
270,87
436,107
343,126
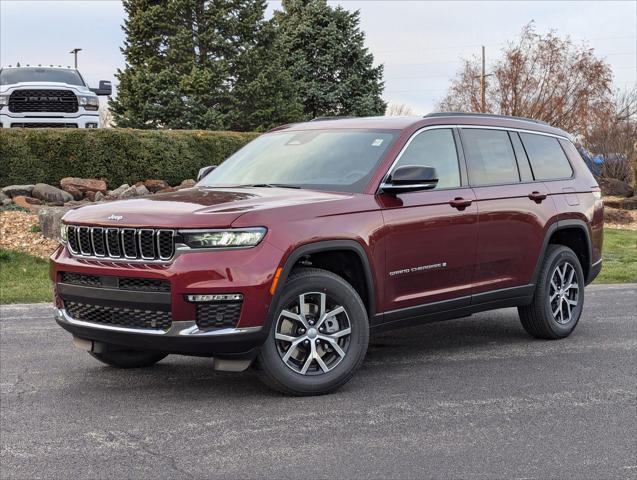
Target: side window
490,157
547,158
434,148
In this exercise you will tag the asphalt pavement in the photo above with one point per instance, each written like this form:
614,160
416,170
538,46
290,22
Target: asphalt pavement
470,398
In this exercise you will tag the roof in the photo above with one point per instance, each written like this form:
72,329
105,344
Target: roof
444,118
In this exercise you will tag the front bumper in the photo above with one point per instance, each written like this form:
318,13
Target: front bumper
183,337
74,121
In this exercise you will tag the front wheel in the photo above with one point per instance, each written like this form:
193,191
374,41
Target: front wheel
559,296
318,337
129,358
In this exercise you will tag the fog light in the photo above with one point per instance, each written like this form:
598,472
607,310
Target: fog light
91,125
230,297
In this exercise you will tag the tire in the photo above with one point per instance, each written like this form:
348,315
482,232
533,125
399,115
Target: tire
129,358
319,361
539,318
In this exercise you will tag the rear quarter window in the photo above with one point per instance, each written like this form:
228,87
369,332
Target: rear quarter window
548,160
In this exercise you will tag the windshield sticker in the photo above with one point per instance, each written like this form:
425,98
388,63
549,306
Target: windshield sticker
377,143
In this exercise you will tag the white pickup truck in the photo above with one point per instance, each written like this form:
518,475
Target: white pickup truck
54,97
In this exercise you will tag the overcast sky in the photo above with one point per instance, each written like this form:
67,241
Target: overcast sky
421,44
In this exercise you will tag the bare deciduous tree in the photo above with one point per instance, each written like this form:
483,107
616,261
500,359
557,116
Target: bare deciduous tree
399,110
544,77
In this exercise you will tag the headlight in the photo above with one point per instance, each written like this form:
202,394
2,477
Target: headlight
89,102
235,238
4,100
64,233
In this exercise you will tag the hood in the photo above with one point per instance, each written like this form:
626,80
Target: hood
46,85
198,207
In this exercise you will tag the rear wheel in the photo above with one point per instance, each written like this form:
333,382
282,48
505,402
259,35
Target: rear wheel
559,296
318,337
129,358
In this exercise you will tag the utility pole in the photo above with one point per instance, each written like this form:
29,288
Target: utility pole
75,50
483,84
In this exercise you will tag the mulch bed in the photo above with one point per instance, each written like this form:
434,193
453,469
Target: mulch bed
17,233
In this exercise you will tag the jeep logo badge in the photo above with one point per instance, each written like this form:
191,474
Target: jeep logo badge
117,218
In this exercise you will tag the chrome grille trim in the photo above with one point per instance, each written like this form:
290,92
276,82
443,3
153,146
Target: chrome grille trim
136,244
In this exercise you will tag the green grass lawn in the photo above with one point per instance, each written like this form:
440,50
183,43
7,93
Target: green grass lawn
25,278
620,257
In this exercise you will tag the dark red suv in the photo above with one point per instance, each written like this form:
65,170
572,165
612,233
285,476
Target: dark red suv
296,247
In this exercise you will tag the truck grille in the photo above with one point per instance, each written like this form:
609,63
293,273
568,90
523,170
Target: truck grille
121,243
118,316
218,315
25,101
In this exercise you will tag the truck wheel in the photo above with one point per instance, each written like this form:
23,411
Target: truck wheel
559,296
318,337
129,358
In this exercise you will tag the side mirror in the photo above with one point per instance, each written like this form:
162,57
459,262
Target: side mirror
205,171
105,88
411,178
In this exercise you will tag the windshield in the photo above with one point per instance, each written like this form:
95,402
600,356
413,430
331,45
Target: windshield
10,76
336,160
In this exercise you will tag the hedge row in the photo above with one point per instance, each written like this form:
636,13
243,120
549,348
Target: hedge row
117,155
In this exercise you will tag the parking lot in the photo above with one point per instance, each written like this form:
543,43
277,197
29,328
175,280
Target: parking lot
472,398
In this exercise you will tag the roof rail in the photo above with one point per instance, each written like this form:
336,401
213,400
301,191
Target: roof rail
335,117
488,115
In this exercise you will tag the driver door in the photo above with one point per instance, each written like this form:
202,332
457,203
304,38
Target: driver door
430,235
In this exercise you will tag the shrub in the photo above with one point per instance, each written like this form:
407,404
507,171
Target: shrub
116,155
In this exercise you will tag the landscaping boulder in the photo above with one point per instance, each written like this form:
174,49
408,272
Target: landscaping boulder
25,202
18,190
167,190
118,191
84,184
4,200
186,184
154,185
90,195
99,196
49,219
75,192
50,194
132,192
615,188
141,190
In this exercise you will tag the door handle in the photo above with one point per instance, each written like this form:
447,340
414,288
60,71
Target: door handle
537,197
460,203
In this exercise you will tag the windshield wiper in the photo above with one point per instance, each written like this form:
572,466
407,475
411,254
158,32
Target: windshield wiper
270,185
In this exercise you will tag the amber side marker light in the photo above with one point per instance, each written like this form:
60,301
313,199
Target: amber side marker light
277,274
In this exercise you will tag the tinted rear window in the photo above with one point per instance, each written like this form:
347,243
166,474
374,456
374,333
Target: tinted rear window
490,157
547,158
10,76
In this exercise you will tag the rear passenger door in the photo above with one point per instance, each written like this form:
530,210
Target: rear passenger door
513,210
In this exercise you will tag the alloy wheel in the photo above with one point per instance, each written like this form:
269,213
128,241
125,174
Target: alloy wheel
313,334
563,292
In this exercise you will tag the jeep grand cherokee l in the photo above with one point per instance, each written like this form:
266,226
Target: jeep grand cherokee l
315,234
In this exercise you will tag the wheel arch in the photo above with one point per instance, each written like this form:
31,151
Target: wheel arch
571,233
325,247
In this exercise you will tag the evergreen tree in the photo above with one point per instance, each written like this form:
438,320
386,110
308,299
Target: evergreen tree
201,64
326,55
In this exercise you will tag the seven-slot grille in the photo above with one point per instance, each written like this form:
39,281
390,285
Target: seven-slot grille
25,101
121,243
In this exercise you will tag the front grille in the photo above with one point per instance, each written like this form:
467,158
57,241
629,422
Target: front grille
121,243
122,283
24,101
120,317
218,315
44,125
